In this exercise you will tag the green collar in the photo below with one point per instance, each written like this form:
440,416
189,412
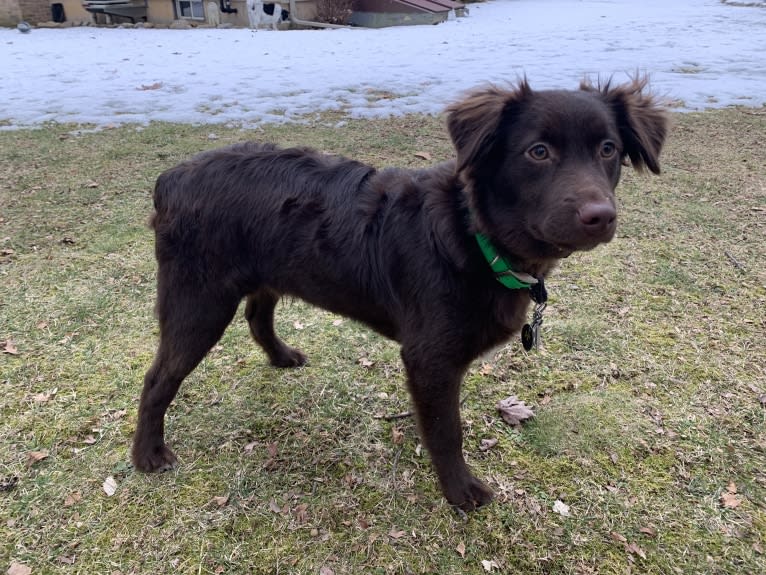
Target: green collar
503,272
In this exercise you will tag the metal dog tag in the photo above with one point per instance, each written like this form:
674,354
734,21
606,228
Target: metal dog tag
530,333
527,337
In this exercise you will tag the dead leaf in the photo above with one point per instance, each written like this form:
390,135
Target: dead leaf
618,537
89,440
487,369
299,325
91,184
461,549
561,508
634,549
301,513
272,449
337,322
72,499
220,500
274,507
730,500
66,560
365,362
758,548
487,444
423,155
489,565
109,486
250,446
325,570
10,348
762,399
396,533
514,411
44,396
35,456
648,531
18,569
154,86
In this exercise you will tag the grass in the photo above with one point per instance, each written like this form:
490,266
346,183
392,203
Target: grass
647,389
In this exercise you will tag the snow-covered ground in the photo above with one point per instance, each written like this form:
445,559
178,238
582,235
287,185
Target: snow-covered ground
701,53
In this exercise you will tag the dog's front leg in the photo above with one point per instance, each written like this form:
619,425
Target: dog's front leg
435,388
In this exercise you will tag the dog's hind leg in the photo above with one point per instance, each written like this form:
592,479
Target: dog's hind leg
190,324
259,313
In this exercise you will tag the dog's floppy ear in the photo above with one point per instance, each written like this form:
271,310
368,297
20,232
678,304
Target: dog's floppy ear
473,122
642,122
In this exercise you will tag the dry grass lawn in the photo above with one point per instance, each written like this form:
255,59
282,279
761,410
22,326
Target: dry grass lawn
650,390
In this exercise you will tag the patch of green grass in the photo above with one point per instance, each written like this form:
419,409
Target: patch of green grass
646,390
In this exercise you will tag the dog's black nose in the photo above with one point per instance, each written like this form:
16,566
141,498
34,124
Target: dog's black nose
597,218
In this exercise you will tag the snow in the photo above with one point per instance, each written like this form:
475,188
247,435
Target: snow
699,53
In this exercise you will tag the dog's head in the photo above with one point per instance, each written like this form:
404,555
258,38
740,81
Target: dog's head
540,167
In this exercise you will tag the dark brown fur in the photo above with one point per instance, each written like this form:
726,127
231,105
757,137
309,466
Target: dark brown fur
393,249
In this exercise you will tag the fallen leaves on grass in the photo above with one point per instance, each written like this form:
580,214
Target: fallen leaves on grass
72,499
487,444
45,396
561,508
514,411
634,549
18,569
396,533
729,498
490,565
109,486
36,456
423,156
365,362
461,549
10,348
619,537
220,500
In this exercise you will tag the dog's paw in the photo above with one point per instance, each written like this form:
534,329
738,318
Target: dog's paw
469,495
289,357
155,460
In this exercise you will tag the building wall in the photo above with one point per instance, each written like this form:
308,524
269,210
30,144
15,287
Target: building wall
10,13
160,12
33,11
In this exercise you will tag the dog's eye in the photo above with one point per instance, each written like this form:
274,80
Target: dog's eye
608,149
538,152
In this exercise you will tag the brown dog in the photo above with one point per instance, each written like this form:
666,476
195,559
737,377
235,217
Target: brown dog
535,175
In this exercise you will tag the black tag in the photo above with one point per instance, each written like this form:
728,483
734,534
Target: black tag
527,337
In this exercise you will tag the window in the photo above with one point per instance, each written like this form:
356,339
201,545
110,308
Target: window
190,9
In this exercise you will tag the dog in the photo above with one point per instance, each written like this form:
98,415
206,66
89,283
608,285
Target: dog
398,250
265,13
213,14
